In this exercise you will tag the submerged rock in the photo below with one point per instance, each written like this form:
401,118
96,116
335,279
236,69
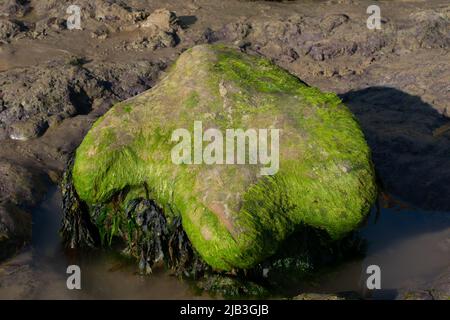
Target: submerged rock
234,216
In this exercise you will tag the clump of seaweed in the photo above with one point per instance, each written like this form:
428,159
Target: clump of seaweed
158,240
182,256
153,232
77,229
150,237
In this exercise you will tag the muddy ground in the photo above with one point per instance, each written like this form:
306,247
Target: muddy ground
55,82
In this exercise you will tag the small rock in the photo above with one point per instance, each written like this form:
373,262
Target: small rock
331,22
13,8
107,11
208,36
27,130
236,31
8,29
56,23
101,33
161,19
160,28
432,29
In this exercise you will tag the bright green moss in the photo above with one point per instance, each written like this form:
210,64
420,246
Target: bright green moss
254,73
193,100
234,217
127,108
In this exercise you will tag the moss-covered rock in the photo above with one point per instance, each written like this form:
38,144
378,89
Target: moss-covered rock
233,216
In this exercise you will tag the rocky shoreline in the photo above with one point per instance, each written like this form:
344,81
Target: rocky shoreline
54,82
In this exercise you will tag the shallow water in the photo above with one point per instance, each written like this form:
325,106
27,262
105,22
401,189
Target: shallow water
411,247
105,275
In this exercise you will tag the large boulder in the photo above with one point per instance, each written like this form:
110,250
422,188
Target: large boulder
235,216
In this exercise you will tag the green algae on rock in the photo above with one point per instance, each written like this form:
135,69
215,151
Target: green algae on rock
233,216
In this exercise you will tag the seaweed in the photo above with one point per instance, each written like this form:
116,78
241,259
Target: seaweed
77,229
150,236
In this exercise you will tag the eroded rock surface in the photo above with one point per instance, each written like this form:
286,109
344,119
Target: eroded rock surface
439,289
408,58
34,98
20,189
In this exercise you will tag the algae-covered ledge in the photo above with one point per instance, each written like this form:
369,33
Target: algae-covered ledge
227,217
